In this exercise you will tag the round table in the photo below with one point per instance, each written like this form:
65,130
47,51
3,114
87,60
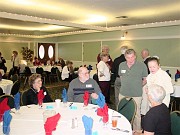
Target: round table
6,85
30,120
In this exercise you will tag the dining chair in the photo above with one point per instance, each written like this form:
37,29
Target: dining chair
127,107
27,73
14,77
10,100
24,98
54,74
1,91
40,70
15,88
175,123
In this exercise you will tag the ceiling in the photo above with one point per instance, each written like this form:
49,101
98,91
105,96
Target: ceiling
49,18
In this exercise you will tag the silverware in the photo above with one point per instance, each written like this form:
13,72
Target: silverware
28,106
122,130
70,104
117,116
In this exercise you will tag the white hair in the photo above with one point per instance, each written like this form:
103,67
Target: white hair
123,49
156,92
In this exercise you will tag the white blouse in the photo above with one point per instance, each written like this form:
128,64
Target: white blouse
65,73
103,69
163,79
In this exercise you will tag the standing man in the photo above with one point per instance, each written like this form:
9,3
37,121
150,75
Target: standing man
116,77
133,76
105,49
146,57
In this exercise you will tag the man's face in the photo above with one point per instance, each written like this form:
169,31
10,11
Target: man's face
143,54
130,58
84,75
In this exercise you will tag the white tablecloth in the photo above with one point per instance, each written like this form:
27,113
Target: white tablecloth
176,86
6,85
45,68
30,121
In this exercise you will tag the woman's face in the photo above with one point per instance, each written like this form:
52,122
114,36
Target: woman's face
105,58
37,83
153,66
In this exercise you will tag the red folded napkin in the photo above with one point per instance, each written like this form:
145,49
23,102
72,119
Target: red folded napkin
104,113
86,98
3,107
178,72
51,124
40,96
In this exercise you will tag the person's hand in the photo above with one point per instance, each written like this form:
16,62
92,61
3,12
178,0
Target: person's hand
94,95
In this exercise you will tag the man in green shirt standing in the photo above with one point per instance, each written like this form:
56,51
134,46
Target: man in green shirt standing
133,76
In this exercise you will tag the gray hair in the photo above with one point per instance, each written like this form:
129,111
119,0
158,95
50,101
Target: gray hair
156,92
130,51
105,47
123,49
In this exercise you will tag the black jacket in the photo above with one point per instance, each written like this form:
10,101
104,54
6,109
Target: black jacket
32,96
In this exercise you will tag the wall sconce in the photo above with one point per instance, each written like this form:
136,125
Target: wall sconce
123,37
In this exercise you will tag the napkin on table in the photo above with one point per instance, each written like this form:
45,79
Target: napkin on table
6,122
17,101
64,95
101,100
88,124
3,107
40,96
86,98
104,113
51,124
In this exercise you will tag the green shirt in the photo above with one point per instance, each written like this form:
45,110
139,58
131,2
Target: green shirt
131,78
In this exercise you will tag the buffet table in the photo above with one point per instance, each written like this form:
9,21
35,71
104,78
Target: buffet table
29,121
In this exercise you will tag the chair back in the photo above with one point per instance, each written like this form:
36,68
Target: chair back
127,107
10,100
15,77
1,91
39,70
175,123
24,98
15,88
54,70
27,71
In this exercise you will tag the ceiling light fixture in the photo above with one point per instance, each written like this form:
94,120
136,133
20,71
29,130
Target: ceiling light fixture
123,37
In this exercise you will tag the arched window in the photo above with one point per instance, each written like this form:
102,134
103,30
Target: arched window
41,51
50,51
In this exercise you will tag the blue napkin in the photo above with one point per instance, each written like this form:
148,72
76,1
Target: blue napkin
17,101
88,124
101,100
6,122
177,76
64,95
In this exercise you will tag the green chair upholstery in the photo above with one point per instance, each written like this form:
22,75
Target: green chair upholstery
175,123
24,98
127,107
10,100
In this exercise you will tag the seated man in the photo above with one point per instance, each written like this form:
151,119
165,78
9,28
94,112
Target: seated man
83,83
157,120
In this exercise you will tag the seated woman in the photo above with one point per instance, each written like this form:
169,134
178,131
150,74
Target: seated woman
36,62
157,120
68,72
35,84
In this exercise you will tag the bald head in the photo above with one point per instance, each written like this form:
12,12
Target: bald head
83,73
145,53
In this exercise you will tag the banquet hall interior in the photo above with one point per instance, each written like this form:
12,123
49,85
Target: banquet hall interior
77,30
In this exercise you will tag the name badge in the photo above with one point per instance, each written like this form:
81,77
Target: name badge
45,93
123,71
88,85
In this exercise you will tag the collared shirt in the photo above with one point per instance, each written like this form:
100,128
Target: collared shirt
131,78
